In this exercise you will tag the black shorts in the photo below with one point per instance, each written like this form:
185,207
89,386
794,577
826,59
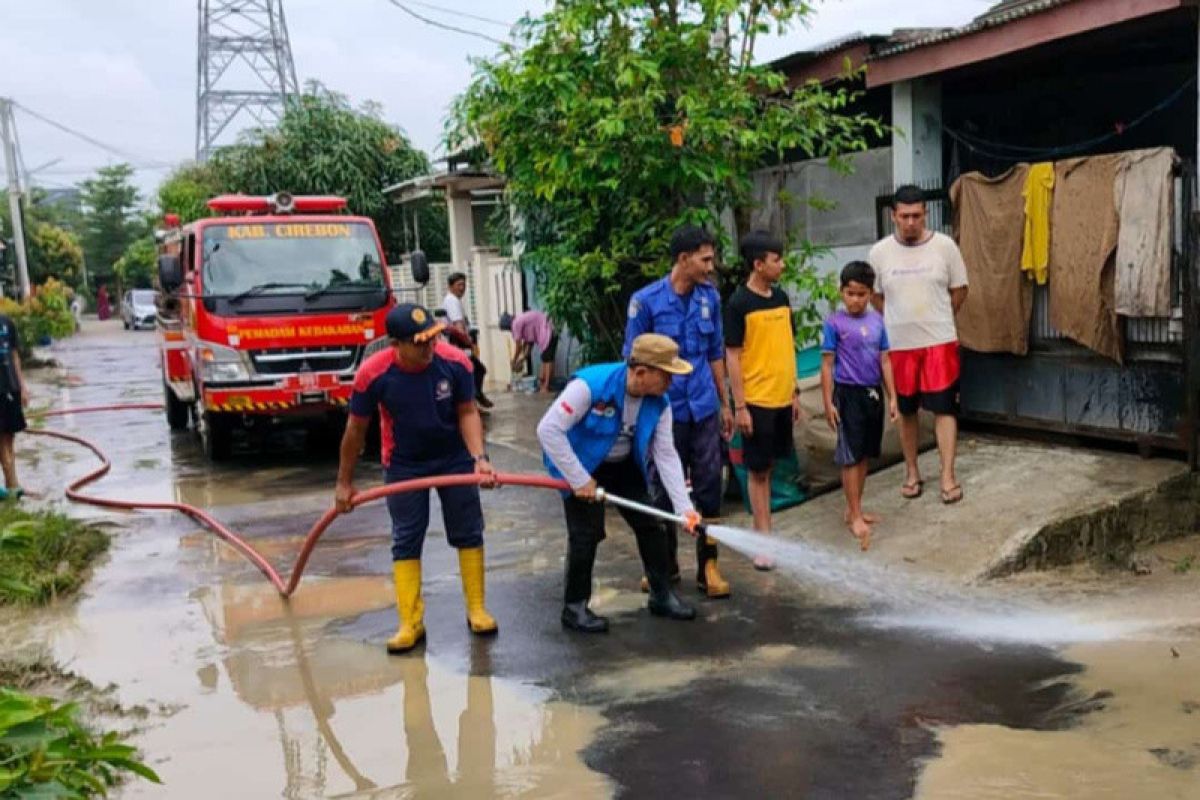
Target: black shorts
771,439
551,348
12,416
860,433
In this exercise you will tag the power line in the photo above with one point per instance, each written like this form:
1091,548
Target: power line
84,137
464,14
444,26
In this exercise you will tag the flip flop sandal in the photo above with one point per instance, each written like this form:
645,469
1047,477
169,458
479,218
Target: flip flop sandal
952,495
919,486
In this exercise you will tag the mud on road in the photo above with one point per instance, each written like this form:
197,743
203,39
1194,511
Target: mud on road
779,691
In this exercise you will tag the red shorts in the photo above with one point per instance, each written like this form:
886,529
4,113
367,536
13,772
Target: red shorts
927,378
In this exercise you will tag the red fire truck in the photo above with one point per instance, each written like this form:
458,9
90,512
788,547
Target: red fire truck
266,309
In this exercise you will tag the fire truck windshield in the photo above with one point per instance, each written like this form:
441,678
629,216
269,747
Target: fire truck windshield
316,258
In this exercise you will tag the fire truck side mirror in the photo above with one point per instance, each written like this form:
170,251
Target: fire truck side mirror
420,267
170,272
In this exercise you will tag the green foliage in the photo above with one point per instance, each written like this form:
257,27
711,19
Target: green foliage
322,146
51,238
43,555
54,253
136,267
110,219
817,293
187,189
615,122
45,752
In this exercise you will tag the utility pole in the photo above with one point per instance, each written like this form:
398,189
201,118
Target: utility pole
7,126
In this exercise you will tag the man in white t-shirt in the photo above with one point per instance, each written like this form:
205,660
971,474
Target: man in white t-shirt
920,284
456,316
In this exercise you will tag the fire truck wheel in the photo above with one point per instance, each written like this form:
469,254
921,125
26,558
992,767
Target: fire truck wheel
177,410
216,435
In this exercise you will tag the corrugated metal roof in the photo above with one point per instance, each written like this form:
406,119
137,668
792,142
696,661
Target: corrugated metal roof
1000,14
805,56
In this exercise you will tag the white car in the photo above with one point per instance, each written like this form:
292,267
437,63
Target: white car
137,309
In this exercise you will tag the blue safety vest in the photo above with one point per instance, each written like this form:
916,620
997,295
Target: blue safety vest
594,436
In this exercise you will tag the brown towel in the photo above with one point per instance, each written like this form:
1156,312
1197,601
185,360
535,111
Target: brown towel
1145,198
1083,242
989,223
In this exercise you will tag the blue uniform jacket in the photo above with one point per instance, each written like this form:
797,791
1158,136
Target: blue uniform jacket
594,435
697,330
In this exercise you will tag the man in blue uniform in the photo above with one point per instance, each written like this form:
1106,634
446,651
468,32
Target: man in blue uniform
430,425
686,307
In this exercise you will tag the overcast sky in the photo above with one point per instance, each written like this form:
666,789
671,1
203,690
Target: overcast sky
124,71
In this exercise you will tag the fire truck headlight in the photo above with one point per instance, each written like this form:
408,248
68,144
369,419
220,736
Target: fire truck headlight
222,364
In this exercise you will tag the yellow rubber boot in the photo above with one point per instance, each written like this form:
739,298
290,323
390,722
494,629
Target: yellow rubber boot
409,606
710,580
470,567
714,585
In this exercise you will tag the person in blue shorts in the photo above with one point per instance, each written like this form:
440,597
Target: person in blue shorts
856,382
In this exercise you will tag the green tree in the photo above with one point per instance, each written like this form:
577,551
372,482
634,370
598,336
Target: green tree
54,253
323,145
186,191
110,219
616,121
136,266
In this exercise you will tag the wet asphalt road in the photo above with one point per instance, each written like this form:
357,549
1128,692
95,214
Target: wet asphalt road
770,693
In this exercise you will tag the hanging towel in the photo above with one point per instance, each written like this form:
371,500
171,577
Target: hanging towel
988,225
1082,250
1145,197
1039,194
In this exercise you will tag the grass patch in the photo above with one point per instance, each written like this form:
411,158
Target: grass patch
44,555
1185,564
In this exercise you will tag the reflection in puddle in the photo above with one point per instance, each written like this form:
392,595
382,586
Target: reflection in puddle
324,716
1138,737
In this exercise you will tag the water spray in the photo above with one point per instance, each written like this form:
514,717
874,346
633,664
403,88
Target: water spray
912,601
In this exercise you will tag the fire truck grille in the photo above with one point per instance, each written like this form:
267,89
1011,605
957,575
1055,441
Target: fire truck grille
287,360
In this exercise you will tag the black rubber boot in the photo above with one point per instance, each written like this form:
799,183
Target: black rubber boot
652,545
667,604
578,617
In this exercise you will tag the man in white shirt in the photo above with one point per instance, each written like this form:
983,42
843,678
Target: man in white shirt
608,425
920,284
456,316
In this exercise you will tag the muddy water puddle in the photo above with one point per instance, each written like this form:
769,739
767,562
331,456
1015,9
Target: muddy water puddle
1138,735
265,702
1134,727
298,699
260,697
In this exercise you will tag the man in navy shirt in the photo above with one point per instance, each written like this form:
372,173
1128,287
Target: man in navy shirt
686,307
430,425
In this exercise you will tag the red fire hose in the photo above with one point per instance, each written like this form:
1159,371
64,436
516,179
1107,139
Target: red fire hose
286,588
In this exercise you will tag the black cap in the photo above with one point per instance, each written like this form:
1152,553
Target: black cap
411,321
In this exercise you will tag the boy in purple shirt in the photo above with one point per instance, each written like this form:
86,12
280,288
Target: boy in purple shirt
855,375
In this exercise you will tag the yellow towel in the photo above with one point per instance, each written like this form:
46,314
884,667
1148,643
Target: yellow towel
1039,193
